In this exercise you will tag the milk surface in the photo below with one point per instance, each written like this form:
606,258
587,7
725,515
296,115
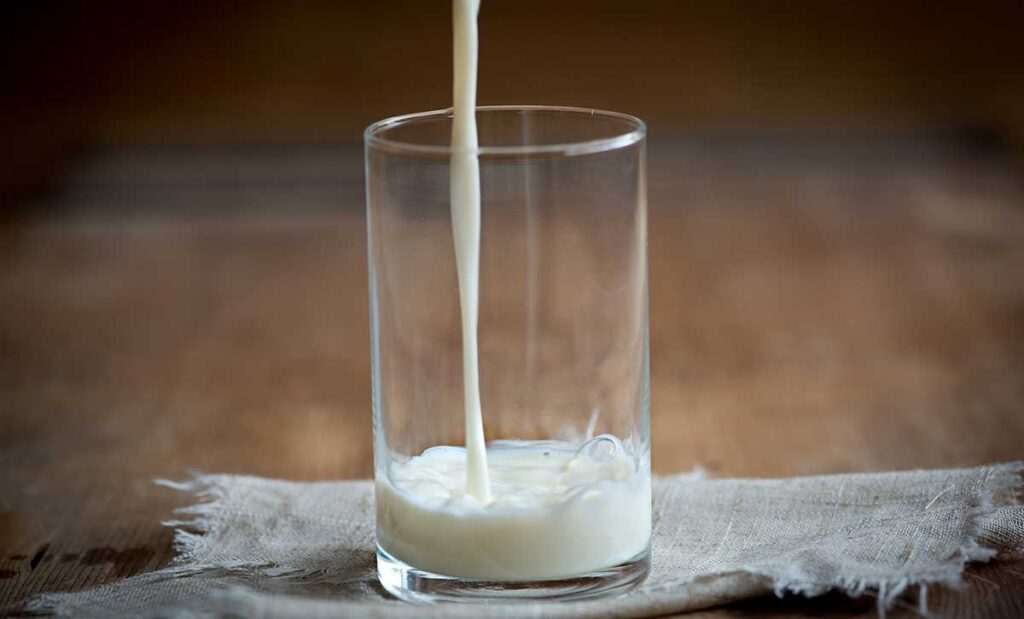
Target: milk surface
558,509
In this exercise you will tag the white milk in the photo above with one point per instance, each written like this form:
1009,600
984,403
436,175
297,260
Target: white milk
558,510
465,199
542,509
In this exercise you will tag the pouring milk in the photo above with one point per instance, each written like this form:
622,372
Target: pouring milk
511,510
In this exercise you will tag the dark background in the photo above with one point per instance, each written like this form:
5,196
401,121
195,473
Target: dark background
81,75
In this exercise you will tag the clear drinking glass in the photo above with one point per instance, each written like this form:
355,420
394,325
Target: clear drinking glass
563,353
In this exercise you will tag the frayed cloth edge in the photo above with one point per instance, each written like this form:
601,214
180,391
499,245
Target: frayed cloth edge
201,525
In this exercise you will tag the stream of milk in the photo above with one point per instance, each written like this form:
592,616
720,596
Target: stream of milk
465,205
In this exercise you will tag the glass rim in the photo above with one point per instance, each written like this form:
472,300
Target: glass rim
635,133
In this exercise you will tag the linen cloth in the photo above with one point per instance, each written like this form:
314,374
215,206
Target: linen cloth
263,548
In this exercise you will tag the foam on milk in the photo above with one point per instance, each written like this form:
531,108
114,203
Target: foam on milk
559,509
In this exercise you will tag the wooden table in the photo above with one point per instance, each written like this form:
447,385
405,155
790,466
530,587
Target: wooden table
818,306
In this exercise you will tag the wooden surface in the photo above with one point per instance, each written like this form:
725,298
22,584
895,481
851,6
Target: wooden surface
817,307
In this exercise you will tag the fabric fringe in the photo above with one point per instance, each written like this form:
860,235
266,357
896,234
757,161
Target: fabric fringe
200,522
199,525
888,592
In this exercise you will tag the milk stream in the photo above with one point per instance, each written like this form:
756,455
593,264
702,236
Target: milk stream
465,204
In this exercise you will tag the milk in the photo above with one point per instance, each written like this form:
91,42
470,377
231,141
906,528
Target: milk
511,510
465,204
558,510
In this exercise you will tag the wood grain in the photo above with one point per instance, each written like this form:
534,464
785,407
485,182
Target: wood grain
810,314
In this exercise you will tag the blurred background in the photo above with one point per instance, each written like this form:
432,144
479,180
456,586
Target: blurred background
80,75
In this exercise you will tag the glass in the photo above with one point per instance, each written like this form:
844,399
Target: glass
563,350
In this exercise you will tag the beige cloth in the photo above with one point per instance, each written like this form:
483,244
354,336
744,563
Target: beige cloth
257,547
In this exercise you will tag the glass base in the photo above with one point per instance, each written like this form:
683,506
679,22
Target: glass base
412,585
